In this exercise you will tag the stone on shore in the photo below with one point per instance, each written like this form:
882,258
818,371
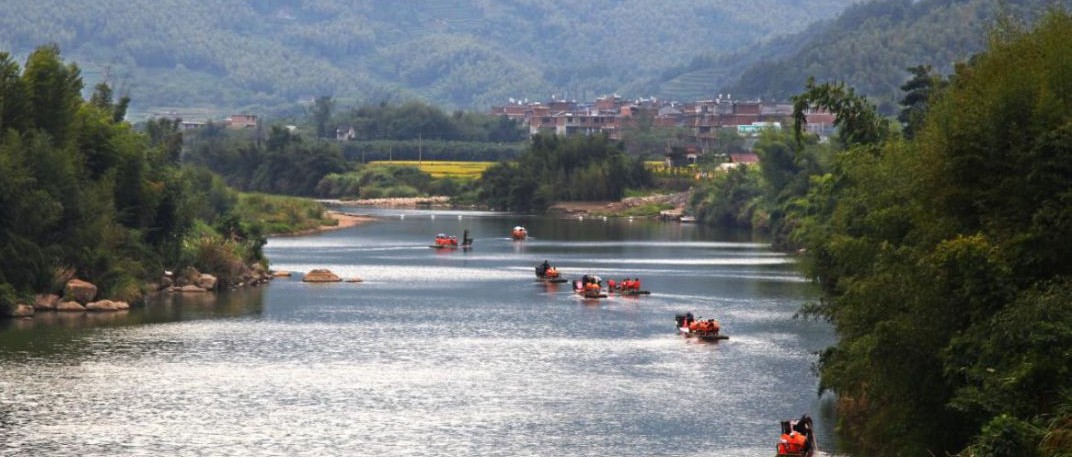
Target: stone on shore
70,306
321,275
46,302
20,310
107,305
281,274
188,288
80,291
206,281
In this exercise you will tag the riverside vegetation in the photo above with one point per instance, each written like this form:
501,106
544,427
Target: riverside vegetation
941,249
939,246
84,195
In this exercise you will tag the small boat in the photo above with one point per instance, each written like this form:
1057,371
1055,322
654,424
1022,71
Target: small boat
519,233
592,294
589,287
549,274
687,219
798,438
627,287
701,329
444,241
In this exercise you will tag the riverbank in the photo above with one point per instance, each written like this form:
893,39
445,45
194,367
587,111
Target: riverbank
646,206
437,201
343,221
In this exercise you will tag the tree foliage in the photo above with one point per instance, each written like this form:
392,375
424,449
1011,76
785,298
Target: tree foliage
938,258
82,193
579,168
463,54
869,45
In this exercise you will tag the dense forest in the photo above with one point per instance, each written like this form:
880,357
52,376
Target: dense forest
244,54
870,45
940,247
555,169
83,194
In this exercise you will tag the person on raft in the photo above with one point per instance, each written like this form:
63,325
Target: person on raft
542,268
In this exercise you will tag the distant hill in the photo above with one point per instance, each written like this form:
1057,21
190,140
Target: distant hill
235,54
869,46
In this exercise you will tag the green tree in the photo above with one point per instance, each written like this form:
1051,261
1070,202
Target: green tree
321,114
856,120
13,97
53,92
917,94
938,261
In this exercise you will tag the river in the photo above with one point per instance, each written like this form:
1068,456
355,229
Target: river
451,353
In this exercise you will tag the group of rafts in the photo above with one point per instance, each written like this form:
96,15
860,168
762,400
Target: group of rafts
797,439
591,287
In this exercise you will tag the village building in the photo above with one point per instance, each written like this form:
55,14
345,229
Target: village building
702,121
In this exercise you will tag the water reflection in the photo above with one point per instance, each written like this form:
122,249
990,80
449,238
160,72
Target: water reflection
459,353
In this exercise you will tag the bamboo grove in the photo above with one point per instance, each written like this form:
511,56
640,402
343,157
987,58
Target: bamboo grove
943,256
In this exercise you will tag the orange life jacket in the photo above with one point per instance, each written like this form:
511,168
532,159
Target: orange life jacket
783,445
796,442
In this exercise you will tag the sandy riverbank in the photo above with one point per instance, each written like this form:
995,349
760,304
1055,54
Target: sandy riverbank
345,220
608,208
403,202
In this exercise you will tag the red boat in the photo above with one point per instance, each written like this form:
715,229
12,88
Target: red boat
444,241
519,233
589,287
547,273
702,329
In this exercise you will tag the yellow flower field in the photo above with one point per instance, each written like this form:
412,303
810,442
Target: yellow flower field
442,168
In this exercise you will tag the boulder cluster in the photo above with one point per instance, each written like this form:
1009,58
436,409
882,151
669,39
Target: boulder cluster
78,296
81,296
191,280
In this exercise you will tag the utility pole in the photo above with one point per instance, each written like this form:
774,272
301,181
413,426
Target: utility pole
420,152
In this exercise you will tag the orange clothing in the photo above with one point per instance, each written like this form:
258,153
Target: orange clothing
796,442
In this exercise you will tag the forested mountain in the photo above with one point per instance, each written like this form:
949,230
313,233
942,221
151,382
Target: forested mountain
869,47
454,53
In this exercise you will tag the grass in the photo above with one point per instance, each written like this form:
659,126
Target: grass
443,168
281,214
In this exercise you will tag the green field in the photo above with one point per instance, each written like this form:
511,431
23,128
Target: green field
442,168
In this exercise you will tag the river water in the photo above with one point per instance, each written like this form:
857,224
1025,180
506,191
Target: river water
436,353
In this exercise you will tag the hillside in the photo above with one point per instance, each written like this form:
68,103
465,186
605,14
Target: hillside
236,54
870,46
